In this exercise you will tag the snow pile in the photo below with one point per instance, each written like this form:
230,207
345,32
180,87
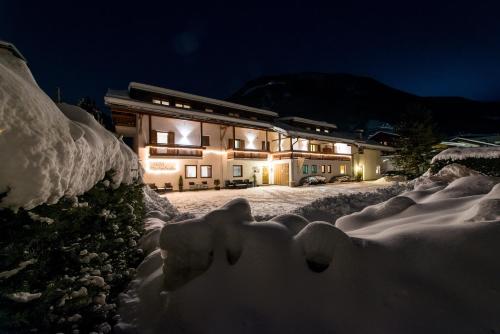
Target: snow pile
424,261
458,153
331,208
50,152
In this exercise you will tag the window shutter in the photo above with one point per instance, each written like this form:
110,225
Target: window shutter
242,144
153,137
230,143
171,138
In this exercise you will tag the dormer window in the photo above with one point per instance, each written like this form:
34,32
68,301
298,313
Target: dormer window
209,110
165,103
326,130
156,101
318,130
181,105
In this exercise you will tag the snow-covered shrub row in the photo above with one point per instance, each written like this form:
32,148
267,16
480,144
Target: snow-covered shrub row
487,166
423,262
48,151
62,266
333,207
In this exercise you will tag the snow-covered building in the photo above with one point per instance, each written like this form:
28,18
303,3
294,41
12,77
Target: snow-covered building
203,139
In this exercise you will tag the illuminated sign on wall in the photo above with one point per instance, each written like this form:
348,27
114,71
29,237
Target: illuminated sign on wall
163,165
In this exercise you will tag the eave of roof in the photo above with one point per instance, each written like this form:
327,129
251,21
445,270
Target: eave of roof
161,90
122,101
309,121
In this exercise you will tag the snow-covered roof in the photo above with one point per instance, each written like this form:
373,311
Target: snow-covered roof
119,99
308,121
386,132
12,48
161,90
456,153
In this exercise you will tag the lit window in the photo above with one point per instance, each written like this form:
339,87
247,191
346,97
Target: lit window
155,101
314,169
342,148
342,169
237,170
186,106
305,169
323,168
329,168
313,148
206,171
318,130
162,137
191,171
326,130
178,105
377,169
237,143
209,110
165,103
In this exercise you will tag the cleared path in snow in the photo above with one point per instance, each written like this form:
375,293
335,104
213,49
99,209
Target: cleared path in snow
266,200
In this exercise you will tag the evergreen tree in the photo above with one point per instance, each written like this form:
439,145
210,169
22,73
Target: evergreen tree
89,105
418,135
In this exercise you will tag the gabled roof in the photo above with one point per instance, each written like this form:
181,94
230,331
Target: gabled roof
308,121
12,48
166,91
384,132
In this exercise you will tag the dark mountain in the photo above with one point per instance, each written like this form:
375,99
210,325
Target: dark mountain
351,101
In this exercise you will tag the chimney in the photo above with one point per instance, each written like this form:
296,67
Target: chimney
360,133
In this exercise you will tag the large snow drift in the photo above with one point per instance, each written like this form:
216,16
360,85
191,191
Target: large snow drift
423,262
49,152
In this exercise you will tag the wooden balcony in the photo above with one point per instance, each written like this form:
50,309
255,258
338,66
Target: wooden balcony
195,152
310,155
247,154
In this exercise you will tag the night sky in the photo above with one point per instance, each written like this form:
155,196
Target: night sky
212,48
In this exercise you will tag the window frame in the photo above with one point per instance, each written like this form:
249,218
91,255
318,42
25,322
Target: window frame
186,174
209,169
241,171
203,142
329,169
314,169
323,169
316,147
167,133
305,169
238,145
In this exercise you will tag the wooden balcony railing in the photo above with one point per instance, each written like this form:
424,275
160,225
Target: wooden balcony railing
310,155
247,154
176,152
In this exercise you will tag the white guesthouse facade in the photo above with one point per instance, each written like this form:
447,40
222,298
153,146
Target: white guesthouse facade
202,139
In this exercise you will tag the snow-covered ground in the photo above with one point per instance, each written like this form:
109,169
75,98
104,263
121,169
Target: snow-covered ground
422,262
267,201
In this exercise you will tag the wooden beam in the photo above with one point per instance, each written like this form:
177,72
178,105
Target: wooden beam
201,133
279,141
267,143
234,132
291,144
150,130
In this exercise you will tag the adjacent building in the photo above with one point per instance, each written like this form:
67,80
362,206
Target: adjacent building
203,139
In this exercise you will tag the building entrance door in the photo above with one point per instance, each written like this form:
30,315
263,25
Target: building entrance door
265,175
281,174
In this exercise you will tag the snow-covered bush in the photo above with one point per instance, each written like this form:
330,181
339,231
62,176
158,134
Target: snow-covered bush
482,159
48,151
312,180
62,266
